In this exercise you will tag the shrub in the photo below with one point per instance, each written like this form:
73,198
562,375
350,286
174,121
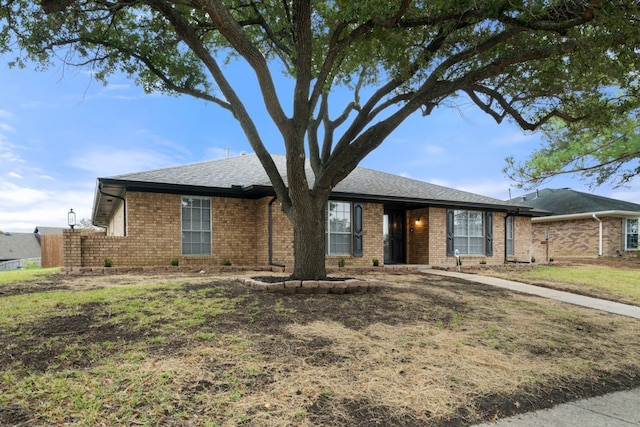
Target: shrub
175,262
551,259
341,262
107,262
483,261
227,261
533,259
376,262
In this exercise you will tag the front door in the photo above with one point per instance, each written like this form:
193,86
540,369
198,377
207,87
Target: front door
393,233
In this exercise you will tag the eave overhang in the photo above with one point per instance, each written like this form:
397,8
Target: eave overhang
109,191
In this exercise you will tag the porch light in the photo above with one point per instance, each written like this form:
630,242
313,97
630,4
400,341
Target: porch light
71,218
417,221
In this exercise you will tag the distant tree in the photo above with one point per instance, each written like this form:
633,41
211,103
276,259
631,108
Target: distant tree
527,61
85,224
608,152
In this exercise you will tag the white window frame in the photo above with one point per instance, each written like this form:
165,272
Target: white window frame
196,237
464,233
631,229
339,229
509,236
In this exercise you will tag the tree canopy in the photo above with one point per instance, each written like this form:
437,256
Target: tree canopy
534,62
607,154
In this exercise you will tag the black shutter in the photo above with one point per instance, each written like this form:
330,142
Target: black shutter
489,234
357,229
450,248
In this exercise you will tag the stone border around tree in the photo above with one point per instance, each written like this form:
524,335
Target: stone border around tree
347,286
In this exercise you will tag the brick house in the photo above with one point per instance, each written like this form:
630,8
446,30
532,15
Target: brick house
210,212
582,225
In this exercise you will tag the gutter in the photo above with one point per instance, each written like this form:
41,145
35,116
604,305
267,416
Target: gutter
270,227
124,204
600,236
586,215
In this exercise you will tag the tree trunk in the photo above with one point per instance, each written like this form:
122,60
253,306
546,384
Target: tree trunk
309,241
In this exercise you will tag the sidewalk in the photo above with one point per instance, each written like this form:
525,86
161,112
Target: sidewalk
598,304
621,409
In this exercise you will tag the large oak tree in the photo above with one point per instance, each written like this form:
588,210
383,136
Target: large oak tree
527,61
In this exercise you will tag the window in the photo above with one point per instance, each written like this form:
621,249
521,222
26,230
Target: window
632,233
196,226
338,231
509,235
468,232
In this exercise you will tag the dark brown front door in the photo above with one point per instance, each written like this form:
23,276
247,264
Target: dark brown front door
393,233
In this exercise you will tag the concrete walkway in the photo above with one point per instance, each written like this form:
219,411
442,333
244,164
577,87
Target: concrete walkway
621,409
598,304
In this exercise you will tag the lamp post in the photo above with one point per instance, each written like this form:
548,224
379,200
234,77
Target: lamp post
71,218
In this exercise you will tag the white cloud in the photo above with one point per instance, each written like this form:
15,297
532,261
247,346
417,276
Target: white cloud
14,175
109,162
5,127
4,114
23,208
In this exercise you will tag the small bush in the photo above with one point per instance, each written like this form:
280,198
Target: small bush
226,262
376,262
175,262
341,262
107,262
533,259
483,261
551,259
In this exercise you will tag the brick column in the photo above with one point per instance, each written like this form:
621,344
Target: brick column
72,248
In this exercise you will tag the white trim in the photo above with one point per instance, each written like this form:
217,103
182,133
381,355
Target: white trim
587,215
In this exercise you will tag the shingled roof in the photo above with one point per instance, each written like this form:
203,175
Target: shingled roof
18,246
244,176
565,201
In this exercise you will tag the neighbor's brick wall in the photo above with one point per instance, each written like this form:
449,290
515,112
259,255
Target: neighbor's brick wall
578,238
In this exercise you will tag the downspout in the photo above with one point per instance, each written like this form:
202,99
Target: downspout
124,205
600,236
270,227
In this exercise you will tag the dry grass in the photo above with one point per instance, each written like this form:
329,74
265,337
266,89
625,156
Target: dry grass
423,351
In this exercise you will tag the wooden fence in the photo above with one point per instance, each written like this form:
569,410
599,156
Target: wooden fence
51,250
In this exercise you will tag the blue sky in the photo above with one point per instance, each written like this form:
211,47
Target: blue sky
60,130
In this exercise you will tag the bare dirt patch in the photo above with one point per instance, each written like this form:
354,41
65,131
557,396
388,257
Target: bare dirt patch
423,351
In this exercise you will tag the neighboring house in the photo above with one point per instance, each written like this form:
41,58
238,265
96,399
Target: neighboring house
582,225
17,247
206,213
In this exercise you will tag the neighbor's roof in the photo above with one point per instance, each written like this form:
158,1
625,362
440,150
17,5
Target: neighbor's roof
43,230
565,201
18,246
244,176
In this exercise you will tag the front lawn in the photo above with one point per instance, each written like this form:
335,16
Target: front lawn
200,350
608,282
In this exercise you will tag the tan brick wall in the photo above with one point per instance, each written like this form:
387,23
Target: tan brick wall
116,225
372,239
239,234
436,233
578,238
521,239
418,236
